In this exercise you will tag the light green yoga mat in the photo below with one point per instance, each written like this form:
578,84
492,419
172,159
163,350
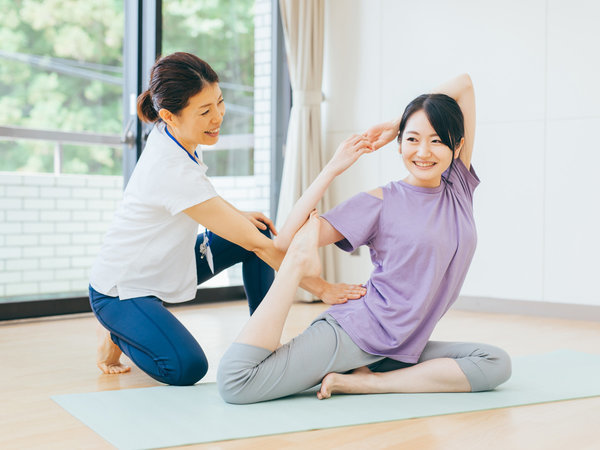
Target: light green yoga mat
168,416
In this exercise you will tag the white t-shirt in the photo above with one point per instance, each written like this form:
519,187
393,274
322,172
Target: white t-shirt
149,248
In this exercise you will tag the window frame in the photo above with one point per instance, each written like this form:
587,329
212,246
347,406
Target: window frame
142,44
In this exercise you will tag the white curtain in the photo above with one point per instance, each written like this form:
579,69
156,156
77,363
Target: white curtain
303,22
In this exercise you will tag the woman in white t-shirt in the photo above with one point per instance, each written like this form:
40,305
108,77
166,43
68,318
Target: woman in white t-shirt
152,251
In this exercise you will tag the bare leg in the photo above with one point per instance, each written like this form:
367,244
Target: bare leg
108,353
265,326
434,375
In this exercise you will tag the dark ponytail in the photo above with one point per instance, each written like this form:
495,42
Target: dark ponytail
145,108
173,80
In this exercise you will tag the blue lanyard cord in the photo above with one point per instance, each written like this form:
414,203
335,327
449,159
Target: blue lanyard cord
181,146
207,233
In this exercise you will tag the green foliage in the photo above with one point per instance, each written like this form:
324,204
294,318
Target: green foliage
221,32
91,31
30,96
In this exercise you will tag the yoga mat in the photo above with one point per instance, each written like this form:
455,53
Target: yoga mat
168,415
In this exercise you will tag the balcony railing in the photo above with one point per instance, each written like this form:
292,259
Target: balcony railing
59,138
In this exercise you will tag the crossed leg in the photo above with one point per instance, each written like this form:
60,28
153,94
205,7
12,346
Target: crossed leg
442,367
254,369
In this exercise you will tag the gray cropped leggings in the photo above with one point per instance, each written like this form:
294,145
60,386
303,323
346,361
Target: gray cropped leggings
249,374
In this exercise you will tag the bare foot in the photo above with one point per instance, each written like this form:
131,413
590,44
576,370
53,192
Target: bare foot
303,251
356,382
108,353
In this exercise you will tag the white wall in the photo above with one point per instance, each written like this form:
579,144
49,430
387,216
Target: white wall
535,66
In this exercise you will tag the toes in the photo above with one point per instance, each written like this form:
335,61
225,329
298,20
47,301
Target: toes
322,394
113,369
120,369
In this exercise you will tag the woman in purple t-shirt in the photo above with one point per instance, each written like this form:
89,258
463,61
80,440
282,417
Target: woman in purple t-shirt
421,235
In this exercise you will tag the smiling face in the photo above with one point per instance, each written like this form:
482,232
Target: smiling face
200,121
423,153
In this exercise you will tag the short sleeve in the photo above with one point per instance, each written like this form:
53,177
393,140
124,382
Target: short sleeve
181,186
464,180
357,219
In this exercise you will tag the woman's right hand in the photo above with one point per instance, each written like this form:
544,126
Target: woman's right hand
348,153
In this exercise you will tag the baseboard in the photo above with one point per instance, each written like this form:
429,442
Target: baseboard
529,308
26,308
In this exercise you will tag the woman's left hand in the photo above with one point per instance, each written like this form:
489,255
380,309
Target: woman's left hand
336,293
260,221
349,151
381,134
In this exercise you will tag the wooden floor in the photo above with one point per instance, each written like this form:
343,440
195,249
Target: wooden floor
41,358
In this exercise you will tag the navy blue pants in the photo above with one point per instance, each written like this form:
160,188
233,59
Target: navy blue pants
154,339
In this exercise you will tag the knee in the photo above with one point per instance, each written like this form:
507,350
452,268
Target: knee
192,368
232,381
495,366
501,367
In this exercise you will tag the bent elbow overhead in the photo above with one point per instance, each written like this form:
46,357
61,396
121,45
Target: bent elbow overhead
467,82
466,79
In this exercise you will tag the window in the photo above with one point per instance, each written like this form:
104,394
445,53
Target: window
61,67
64,69
234,37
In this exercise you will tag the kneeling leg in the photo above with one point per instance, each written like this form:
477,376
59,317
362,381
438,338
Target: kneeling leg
153,339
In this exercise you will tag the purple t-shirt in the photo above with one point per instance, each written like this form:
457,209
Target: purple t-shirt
421,242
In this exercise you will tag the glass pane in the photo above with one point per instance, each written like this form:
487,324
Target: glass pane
234,37
60,156
222,34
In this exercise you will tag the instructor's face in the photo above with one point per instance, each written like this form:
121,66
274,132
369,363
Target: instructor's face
200,121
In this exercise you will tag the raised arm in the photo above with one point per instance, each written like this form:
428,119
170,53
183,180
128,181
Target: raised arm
461,89
346,154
